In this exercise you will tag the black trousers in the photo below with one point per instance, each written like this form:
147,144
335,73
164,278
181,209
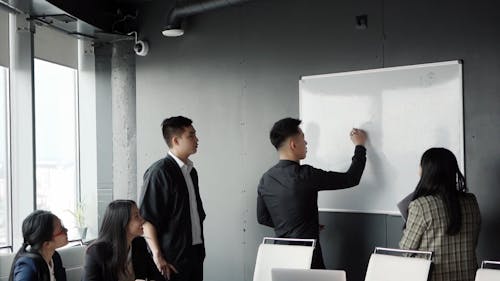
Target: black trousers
192,268
317,259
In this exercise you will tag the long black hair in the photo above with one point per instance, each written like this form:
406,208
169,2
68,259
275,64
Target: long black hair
114,232
37,228
442,177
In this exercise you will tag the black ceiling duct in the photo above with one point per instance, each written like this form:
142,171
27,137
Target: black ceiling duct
177,14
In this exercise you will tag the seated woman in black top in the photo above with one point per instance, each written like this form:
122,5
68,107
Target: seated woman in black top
120,253
37,259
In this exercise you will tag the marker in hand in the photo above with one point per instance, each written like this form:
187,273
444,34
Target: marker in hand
358,136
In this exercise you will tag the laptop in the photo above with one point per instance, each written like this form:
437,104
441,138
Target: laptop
289,274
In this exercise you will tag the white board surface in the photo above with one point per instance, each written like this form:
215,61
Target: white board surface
405,110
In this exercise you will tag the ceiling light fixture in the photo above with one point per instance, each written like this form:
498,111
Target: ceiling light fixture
177,14
173,30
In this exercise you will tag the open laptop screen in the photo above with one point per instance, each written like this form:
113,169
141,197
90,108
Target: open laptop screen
287,274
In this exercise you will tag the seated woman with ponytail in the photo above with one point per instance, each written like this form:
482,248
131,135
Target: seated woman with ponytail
120,253
444,218
37,259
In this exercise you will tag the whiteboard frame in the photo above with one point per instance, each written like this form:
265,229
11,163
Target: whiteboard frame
462,160
385,69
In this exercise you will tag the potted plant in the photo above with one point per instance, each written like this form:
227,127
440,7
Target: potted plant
79,216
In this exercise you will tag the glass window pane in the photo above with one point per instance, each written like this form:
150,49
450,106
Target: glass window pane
56,141
4,187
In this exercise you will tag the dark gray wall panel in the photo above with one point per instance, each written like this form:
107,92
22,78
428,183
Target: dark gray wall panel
349,239
394,230
426,31
199,76
236,71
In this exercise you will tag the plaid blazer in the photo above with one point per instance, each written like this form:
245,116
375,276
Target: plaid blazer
454,256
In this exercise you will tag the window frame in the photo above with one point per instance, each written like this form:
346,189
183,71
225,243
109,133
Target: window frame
8,171
76,107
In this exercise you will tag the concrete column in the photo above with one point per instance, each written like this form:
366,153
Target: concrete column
124,121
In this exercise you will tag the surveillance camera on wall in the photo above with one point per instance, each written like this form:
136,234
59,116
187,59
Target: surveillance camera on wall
141,48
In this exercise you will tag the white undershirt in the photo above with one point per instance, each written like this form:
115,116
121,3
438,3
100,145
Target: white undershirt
51,270
193,207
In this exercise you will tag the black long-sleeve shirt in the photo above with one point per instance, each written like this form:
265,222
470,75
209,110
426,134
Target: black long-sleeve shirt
288,194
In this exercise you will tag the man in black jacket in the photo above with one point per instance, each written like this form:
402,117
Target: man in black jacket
288,192
172,207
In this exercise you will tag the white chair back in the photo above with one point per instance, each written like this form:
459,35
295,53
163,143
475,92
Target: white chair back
383,267
488,274
73,259
271,256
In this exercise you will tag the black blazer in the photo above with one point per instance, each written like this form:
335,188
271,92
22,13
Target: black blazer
99,254
32,267
165,204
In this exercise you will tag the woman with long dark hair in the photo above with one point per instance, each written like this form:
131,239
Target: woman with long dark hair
37,259
444,218
120,253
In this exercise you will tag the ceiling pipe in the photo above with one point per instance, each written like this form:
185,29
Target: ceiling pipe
173,26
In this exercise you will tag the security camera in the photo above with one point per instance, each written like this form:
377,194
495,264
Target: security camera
141,48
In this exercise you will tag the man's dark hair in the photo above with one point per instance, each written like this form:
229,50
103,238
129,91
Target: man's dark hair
174,126
282,130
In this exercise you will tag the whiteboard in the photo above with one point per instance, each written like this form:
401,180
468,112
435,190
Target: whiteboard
405,110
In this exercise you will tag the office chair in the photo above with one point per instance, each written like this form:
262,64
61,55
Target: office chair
384,267
283,253
488,274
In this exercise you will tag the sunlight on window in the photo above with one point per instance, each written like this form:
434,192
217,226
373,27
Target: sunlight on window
4,188
56,140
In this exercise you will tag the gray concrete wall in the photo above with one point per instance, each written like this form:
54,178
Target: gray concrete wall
236,71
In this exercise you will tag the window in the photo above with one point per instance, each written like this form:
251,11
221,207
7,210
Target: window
4,183
57,176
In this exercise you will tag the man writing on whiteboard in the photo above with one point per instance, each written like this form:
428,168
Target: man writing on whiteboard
288,192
